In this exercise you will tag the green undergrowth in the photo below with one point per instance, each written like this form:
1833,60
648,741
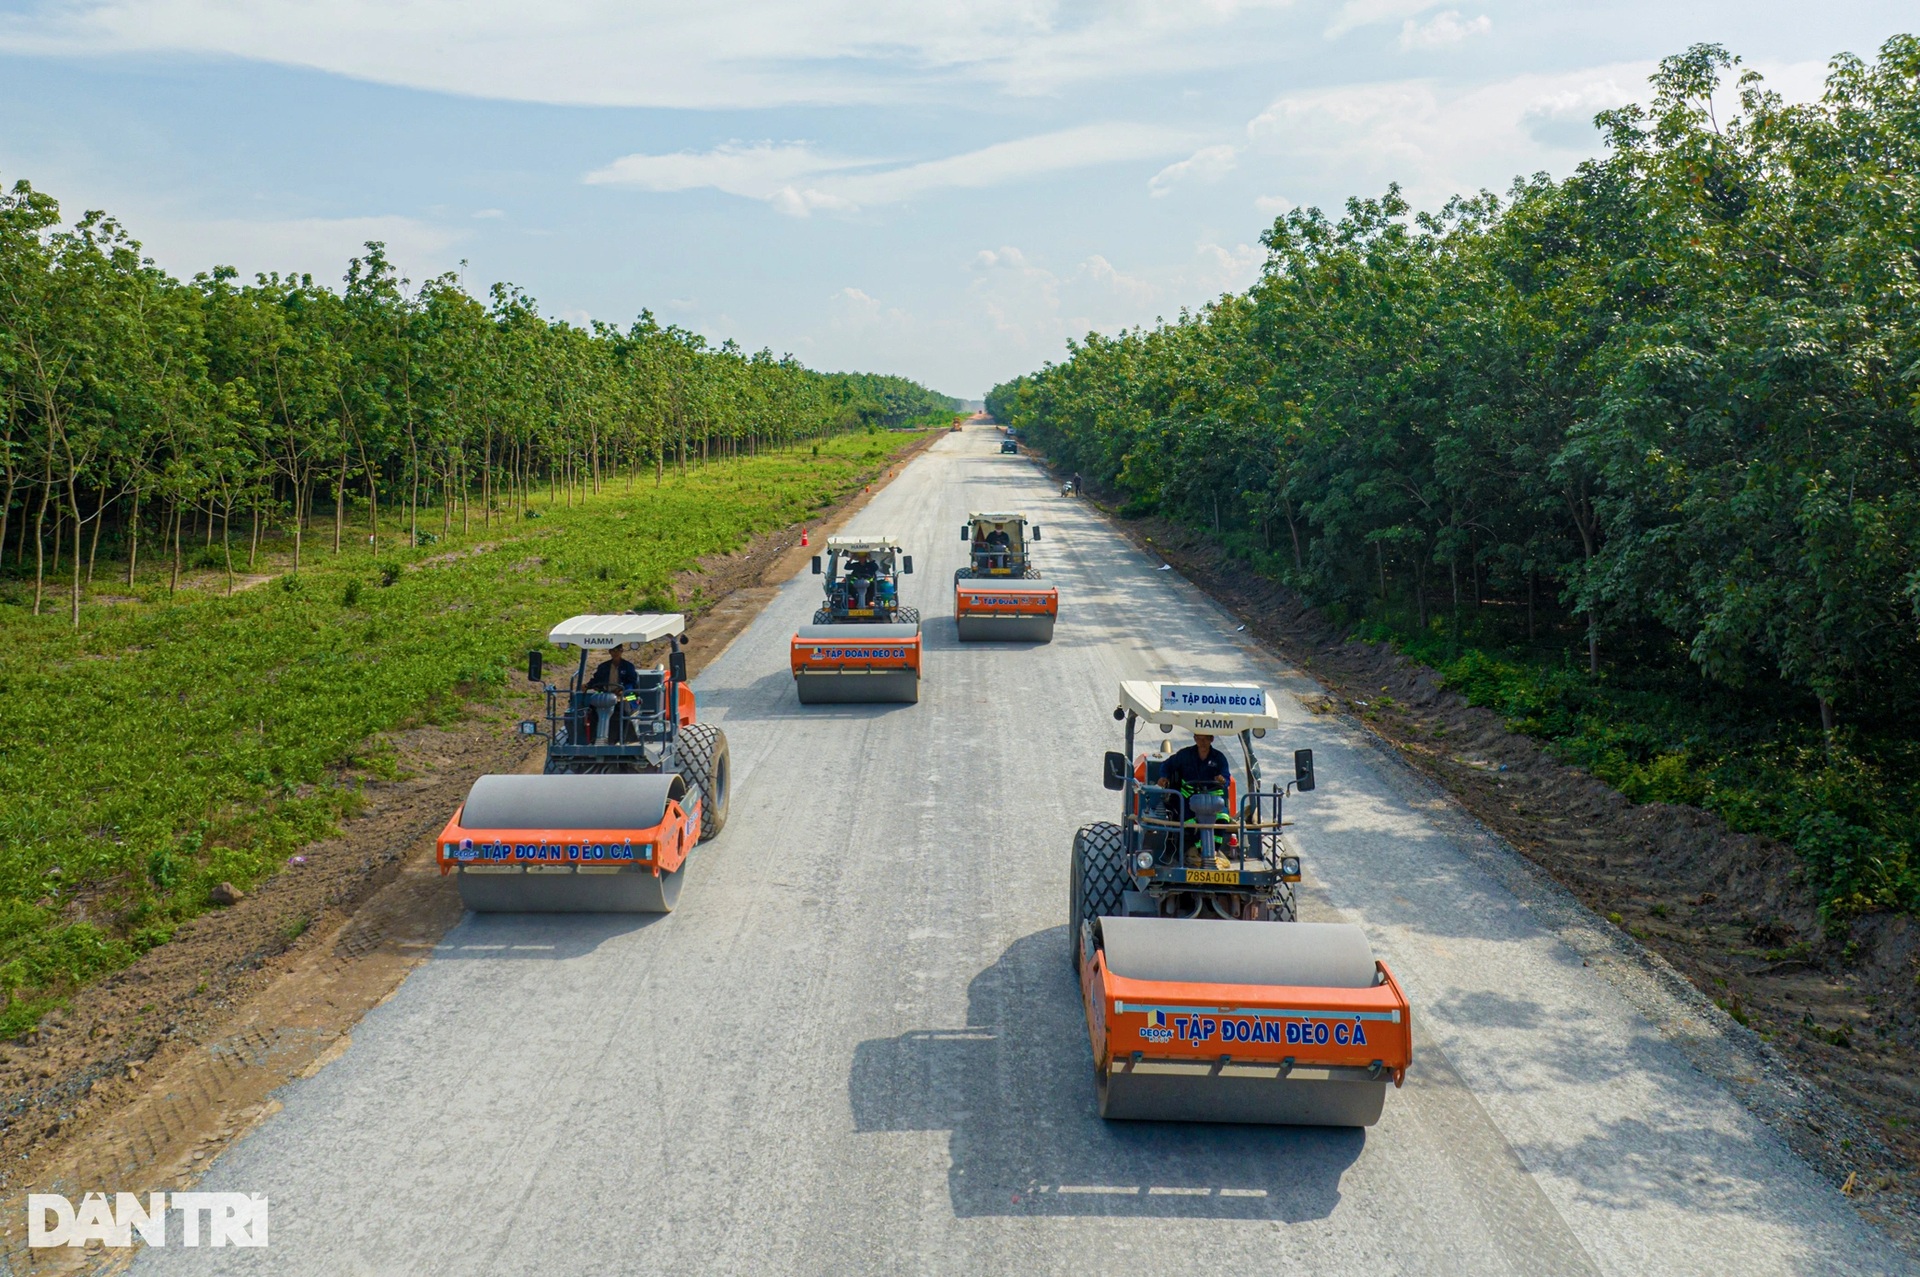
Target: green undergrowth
1659,732
169,745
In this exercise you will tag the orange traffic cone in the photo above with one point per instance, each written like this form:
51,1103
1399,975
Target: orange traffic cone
803,536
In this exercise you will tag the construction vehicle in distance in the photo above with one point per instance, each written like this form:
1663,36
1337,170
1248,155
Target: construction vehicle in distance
864,644
632,782
991,599
1206,1000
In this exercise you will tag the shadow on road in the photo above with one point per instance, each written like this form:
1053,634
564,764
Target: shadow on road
1015,1088
771,696
519,937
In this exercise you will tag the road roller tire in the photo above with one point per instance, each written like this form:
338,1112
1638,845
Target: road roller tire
1099,880
706,763
906,616
1031,574
963,574
823,617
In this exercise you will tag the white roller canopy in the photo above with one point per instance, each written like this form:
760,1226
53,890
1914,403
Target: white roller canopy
870,542
1220,710
598,633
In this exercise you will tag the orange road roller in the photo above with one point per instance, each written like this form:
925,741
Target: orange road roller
632,783
835,664
994,597
1206,1000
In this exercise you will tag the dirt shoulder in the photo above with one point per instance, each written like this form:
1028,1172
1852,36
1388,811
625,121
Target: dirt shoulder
151,1071
1727,911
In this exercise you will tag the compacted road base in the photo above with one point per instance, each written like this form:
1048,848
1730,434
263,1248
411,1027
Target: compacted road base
857,1046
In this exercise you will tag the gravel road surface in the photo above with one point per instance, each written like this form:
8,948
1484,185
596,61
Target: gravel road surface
857,1047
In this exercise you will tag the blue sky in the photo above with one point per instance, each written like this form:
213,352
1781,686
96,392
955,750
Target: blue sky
945,190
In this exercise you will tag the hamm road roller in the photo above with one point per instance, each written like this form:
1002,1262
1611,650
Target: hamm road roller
632,783
1206,1000
863,645
992,597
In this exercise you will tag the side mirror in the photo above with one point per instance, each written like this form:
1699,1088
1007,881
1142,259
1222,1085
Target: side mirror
533,666
677,665
1303,770
1116,770
816,565
907,565
1036,532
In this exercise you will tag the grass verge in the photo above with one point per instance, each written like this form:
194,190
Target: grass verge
172,744
1655,733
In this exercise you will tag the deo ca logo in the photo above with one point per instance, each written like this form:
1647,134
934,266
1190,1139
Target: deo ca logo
1157,1030
222,1219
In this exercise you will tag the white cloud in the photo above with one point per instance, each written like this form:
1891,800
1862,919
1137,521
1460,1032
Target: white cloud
798,203
1083,147
1220,269
1102,272
1355,14
487,214
756,170
855,310
317,245
1441,30
1208,164
1436,140
725,53
1564,117
1274,205
796,179
1035,309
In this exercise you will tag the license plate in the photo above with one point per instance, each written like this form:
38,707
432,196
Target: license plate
1216,877
859,611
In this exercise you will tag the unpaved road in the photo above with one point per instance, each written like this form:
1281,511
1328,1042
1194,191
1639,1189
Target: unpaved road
857,1048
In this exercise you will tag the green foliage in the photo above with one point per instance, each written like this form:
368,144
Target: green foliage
1662,409
1661,735
184,421
874,401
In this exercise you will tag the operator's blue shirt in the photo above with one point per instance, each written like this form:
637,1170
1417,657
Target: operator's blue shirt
621,669
1186,769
